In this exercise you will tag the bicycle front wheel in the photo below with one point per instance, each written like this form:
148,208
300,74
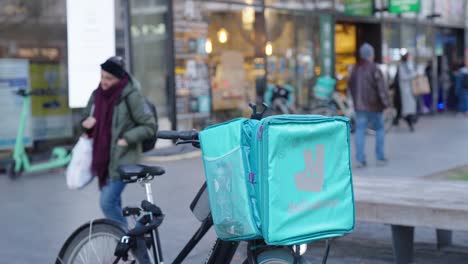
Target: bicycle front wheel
94,242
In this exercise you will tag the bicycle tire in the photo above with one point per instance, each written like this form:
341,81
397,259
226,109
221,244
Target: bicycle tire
278,256
104,235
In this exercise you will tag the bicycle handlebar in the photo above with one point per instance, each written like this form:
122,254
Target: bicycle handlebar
183,135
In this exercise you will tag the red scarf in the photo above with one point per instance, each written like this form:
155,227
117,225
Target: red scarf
104,104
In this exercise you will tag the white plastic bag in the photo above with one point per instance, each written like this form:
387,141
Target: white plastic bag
79,169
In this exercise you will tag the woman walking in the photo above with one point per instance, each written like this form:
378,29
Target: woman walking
406,76
118,125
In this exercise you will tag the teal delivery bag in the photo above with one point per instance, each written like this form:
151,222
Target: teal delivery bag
225,149
303,175
286,179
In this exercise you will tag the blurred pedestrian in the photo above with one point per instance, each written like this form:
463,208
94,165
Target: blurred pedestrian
427,98
370,98
118,124
395,87
461,89
406,75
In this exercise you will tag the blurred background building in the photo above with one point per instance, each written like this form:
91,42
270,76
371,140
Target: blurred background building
201,60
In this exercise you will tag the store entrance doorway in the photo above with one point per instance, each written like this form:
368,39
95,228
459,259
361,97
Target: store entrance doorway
348,38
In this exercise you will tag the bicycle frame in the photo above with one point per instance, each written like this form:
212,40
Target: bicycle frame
222,252
155,241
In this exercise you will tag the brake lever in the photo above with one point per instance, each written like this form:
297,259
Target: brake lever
180,142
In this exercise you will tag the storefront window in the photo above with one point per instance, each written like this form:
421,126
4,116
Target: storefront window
424,48
307,57
408,41
294,58
149,57
33,55
192,79
236,60
219,60
345,49
391,48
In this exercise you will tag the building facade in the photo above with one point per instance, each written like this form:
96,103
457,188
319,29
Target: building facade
203,61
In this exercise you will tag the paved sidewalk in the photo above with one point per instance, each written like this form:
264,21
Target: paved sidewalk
439,143
40,212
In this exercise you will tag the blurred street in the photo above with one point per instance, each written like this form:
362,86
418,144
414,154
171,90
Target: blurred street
40,212
122,69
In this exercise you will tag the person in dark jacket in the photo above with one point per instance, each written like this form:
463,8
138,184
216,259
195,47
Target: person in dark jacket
371,98
118,121
461,89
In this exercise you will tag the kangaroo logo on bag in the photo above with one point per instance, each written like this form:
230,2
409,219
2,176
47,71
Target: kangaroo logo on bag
312,178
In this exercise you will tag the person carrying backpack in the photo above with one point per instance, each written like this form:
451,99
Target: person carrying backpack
461,89
120,121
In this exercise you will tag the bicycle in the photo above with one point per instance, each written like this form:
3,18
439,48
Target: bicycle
119,245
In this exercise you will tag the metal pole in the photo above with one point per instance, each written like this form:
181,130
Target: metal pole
435,78
170,58
128,35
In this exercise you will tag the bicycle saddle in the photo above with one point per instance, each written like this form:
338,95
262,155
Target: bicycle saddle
131,173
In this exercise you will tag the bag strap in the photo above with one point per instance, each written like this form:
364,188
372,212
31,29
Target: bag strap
129,108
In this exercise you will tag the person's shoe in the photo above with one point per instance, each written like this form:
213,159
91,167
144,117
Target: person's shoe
360,165
382,162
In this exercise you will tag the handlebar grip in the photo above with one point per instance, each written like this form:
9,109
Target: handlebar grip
184,135
166,134
188,135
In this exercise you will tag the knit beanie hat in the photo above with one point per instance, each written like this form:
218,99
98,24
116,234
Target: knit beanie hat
366,52
115,66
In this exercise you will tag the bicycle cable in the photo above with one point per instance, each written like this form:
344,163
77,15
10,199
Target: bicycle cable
327,250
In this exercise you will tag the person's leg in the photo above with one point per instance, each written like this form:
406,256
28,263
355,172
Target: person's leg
111,201
360,134
460,102
409,120
464,94
111,205
378,123
397,102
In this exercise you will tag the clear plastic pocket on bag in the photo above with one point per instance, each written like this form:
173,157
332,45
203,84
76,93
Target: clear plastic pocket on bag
229,199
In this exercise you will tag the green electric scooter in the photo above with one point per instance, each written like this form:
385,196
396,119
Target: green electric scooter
21,162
